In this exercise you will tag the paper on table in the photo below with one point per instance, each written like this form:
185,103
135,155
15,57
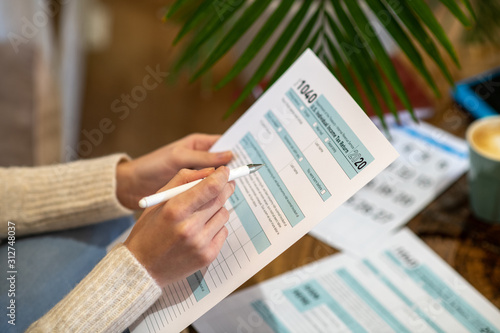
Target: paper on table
430,161
404,287
319,148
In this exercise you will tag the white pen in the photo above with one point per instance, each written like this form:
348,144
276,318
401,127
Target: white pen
170,193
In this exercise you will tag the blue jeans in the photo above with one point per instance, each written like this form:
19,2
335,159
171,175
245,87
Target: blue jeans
49,266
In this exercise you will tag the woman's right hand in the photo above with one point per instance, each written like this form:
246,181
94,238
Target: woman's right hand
177,238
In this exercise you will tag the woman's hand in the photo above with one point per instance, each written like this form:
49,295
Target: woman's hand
175,239
145,175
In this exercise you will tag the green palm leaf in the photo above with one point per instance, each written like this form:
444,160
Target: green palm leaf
215,23
416,29
403,40
455,9
271,57
246,20
194,19
345,76
374,44
177,6
298,46
358,66
345,43
425,14
312,43
258,42
468,5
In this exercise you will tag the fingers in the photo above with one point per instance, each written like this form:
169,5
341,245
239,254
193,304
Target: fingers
201,159
185,176
188,231
216,245
213,206
210,220
216,223
195,152
203,141
204,192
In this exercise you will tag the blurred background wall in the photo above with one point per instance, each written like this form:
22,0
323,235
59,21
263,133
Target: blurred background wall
147,112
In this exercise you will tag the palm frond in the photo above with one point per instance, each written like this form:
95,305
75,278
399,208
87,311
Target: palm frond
486,30
271,57
344,75
425,14
373,43
455,9
177,6
414,26
216,19
258,42
471,11
246,20
361,61
298,46
194,20
402,39
339,31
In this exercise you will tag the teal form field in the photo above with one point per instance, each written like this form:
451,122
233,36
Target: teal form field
249,221
371,301
403,297
446,296
269,317
311,294
344,145
273,181
463,154
198,285
301,160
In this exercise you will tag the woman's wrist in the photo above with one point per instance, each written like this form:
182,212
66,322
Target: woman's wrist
124,192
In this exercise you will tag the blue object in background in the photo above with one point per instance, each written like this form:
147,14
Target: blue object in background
479,95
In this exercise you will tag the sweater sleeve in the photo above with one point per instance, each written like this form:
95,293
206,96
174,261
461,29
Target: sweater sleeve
109,299
62,196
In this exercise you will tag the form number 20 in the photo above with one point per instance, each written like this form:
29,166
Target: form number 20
359,162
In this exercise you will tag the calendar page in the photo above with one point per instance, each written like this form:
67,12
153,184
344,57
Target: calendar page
430,161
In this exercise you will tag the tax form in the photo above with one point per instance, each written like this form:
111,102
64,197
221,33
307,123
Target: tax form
318,148
430,161
404,287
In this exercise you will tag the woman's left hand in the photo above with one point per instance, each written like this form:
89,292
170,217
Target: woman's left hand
147,174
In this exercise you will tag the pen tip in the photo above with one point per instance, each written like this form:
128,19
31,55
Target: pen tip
254,167
143,203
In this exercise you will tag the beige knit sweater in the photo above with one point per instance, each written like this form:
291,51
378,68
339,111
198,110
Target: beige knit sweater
119,289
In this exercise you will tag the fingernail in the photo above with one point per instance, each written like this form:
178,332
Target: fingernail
224,155
226,170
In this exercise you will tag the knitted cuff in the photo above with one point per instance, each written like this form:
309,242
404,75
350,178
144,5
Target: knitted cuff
114,294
